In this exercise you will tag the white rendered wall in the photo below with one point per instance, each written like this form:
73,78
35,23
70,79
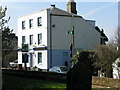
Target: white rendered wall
34,31
42,65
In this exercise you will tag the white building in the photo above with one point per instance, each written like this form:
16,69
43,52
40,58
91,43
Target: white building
45,33
116,69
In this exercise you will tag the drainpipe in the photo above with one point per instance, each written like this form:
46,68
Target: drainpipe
52,7
50,41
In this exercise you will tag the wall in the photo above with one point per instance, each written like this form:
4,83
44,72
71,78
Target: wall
86,37
91,22
58,58
108,82
35,31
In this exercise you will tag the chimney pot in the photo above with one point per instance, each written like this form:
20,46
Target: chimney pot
52,5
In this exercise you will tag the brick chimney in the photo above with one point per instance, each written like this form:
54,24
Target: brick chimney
71,7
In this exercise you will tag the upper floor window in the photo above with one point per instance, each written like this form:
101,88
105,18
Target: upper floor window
39,21
31,39
39,38
23,24
30,23
23,39
39,57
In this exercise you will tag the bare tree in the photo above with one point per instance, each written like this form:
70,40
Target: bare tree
105,55
7,45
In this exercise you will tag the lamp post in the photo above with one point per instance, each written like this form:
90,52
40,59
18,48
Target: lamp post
72,41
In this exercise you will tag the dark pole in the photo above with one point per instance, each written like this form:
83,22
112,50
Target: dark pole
50,41
72,41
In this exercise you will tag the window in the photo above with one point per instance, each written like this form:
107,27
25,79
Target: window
23,24
39,57
31,39
39,39
118,64
30,23
23,39
39,21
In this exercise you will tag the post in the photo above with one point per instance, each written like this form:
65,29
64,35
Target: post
72,41
50,41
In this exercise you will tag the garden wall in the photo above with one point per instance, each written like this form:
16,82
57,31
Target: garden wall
108,82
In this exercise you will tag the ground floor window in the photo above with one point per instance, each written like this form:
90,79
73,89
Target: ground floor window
39,57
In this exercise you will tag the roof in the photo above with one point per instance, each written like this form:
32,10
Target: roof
56,11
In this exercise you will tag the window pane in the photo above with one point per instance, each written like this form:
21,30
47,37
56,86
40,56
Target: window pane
23,39
39,39
31,39
23,24
39,19
39,58
118,64
30,23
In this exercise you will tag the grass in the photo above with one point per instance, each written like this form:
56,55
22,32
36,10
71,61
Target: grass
22,83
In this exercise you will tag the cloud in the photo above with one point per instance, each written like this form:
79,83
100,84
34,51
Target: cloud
97,9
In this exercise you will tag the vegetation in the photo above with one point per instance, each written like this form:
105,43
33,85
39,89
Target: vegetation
7,45
101,59
80,75
105,55
15,82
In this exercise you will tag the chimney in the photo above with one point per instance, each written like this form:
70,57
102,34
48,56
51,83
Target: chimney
71,7
53,6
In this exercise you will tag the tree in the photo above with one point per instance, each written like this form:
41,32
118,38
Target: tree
80,75
7,45
105,55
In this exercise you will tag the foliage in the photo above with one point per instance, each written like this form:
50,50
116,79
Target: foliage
7,45
82,55
105,55
81,66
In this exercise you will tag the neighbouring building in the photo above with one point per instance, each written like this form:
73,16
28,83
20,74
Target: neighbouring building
46,33
116,69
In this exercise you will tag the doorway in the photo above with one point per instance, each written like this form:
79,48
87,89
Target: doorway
31,60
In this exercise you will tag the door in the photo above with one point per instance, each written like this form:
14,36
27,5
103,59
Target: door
31,60
65,58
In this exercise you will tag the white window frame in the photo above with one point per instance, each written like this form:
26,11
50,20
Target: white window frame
39,38
23,37
31,39
30,23
39,57
39,21
23,25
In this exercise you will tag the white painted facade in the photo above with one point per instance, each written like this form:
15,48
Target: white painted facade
116,69
55,25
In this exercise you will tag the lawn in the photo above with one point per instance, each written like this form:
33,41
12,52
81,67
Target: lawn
22,83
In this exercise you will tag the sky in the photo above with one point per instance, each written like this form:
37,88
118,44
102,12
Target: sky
104,13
